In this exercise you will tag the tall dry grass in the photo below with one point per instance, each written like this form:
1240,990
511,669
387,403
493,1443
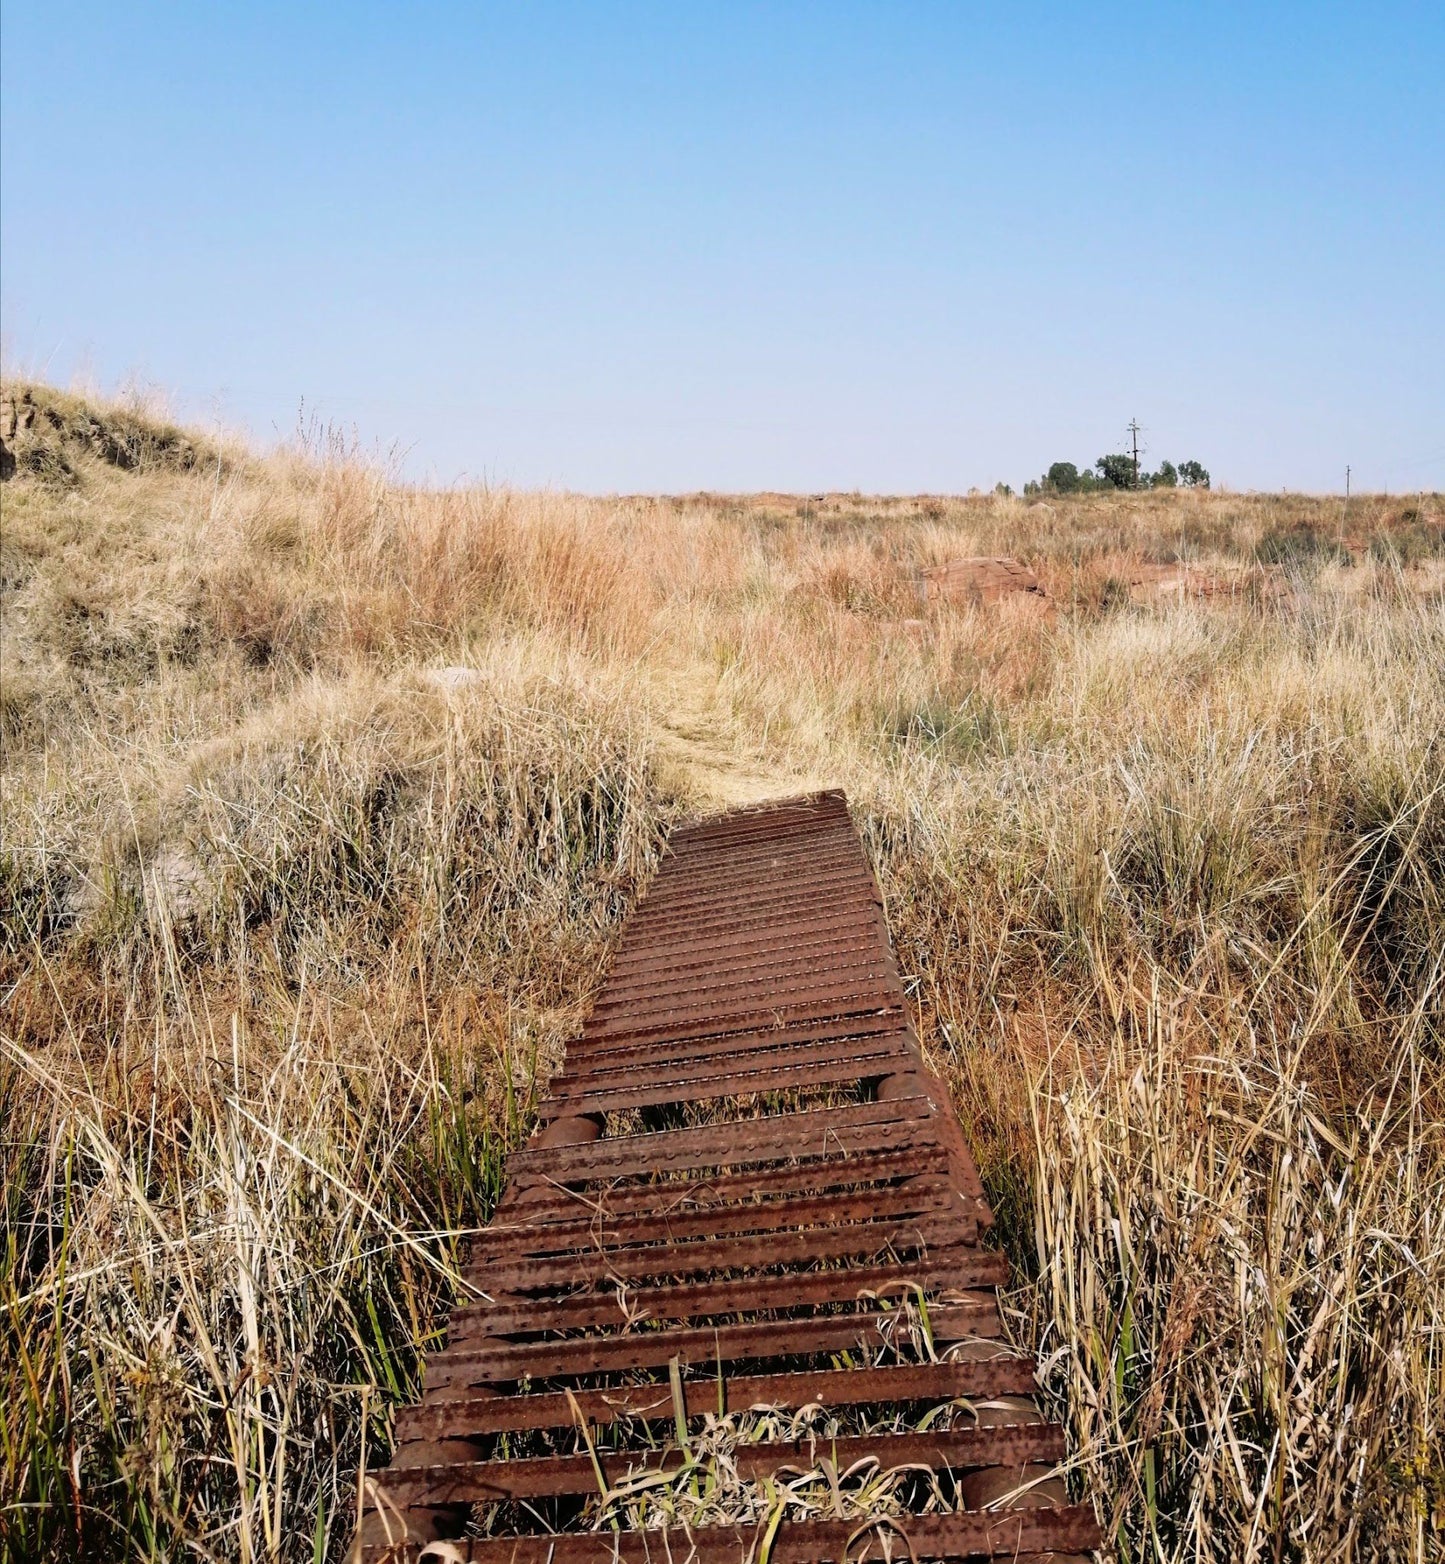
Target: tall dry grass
294,928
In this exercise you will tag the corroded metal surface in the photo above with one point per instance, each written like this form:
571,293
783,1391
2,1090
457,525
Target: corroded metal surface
746,1191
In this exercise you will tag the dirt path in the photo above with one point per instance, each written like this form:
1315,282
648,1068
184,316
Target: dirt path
698,735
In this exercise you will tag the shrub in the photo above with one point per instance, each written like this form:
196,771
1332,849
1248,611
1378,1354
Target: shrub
1303,548
1412,539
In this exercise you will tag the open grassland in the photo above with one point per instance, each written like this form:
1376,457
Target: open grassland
323,798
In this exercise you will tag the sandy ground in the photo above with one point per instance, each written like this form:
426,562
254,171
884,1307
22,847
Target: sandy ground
698,736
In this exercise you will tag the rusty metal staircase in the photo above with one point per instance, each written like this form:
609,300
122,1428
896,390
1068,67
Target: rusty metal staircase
746,1192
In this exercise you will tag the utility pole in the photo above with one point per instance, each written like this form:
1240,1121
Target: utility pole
1134,436
1347,485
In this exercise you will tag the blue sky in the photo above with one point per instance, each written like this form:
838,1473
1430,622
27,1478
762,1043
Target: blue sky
631,247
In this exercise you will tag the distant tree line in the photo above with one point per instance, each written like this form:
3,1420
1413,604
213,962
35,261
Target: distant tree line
1118,472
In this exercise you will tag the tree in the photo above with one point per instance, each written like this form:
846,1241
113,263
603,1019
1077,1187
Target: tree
1117,470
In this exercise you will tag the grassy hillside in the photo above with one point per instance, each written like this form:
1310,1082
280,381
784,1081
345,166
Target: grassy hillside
323,797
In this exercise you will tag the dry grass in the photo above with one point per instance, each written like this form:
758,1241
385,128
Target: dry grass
293,930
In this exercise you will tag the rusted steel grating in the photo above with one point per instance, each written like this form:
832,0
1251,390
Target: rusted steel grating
747,1192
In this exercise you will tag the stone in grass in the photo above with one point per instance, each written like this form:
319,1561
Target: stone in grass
981,580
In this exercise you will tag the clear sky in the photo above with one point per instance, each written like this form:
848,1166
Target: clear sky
640,247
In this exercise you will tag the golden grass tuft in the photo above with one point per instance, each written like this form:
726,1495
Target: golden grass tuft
323,796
